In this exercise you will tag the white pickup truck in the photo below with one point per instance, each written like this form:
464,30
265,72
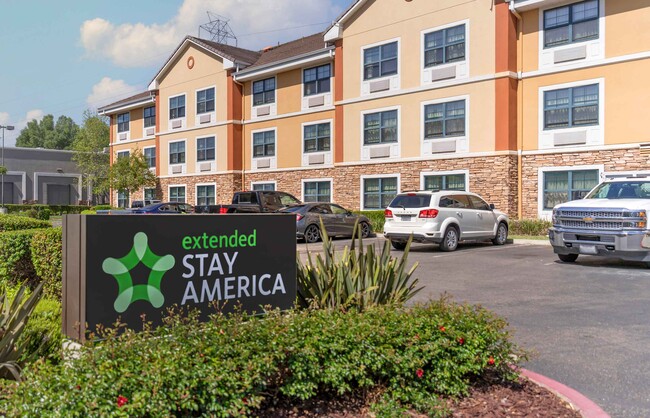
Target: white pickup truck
611,221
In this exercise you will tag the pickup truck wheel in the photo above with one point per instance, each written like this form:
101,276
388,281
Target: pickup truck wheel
365,230
398,245
567,258
502,234
312,233
450,239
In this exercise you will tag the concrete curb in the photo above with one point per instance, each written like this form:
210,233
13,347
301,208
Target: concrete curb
582,404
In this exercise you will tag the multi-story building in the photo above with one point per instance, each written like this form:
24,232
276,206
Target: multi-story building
525,102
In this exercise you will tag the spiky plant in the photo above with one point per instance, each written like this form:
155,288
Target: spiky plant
356,279
14,315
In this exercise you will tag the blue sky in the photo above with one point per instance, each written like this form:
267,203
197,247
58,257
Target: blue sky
63,57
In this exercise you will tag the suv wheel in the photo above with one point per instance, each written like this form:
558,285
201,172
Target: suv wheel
450,239
502,235
398,245
312,233
567,258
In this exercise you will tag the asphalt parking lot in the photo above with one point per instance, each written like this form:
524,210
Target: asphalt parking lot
587,324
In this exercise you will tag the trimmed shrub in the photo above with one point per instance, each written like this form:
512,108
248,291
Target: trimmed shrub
88,212
235,365
55,209
534,227
44,214
101,207
42,336
16,257
376,218
16,223
46,256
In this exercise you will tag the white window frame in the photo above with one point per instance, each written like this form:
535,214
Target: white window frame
274,182
462,142
123,135
122,152
273,107
595,48
196,191
377,176
394,80
327,97
212,114
169,188
317,180
595,133
547,214
145,128
197,163
182,119
157,162
395,148
462,67
465,172
169,161
327,155
274,159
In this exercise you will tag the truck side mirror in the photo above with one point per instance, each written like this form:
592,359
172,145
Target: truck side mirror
492,206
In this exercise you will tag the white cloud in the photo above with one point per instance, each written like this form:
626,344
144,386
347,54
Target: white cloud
109,91
257,23
10,136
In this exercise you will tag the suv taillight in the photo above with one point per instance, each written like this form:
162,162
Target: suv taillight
223,210
428,213
388,213
298,217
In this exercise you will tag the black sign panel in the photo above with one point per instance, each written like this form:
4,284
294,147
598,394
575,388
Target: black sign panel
143,264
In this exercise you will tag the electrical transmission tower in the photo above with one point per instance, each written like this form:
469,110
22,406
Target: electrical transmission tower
218,29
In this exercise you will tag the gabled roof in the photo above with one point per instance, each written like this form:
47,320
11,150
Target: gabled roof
132,101
290,49
334,31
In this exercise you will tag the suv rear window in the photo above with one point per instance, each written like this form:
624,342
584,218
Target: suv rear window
411,201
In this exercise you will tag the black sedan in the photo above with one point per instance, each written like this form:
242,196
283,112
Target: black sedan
338,221
165,208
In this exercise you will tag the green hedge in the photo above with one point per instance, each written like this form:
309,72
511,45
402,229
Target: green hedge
16,223
376,218
235,365
46,256
54,209
533,227
16,258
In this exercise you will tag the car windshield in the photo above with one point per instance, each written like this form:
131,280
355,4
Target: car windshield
633,189
411,200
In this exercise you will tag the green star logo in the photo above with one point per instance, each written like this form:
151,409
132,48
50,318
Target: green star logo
120,268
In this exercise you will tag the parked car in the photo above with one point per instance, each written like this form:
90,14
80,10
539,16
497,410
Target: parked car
444,217
165,208
337,220
255,201
142,203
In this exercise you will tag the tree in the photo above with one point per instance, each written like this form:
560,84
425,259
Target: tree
89,145
131,173
47,134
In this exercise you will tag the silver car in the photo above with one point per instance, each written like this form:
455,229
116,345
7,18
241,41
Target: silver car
337,220
443,217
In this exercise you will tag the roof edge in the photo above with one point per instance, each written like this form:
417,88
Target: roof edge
334,31
246,74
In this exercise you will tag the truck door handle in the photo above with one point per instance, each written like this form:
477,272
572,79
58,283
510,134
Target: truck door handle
460,215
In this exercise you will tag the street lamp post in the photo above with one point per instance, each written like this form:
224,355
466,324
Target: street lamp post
4,169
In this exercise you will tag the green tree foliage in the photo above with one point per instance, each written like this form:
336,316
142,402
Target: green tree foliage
47,134
90,157
131,173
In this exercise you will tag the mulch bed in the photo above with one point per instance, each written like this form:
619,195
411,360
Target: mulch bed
522,399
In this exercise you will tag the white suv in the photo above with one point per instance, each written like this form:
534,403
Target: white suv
444,217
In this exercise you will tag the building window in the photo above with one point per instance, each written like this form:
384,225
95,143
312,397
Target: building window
177,107
444,46
122,154
380,61
444,120
317,137
379,192
264,144
563,186
445,182
177,194
571,107
205,195
123,199
380,127
264,91
264,187
205,101
205,149
149,116
317,191
123,122
317,80
576,22
149,194
177,153
150,157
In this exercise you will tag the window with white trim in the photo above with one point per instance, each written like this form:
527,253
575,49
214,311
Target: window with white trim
176,107
123,122
444,46
177,152
264,91
380,127
443,120
122,154
123,199
205,195
445,182
571,107
177,194
264,144
563,186
150,157
149,115
205,101
205,149
264,187
573,23
317,191
317,80
380,61
379,192
149,194
317,137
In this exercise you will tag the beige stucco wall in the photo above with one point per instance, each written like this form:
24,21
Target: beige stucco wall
385,20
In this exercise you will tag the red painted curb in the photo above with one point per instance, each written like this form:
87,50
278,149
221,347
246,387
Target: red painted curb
586,407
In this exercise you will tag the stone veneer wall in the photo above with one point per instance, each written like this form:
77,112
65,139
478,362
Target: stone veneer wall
629,159
227,184
494,178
